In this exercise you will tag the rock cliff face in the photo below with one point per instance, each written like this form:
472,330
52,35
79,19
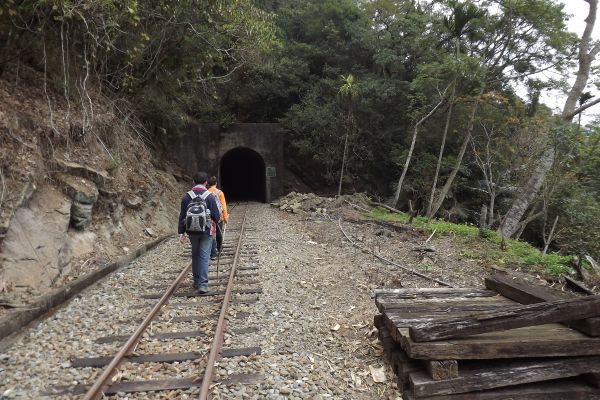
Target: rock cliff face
72,200
67,227
36,249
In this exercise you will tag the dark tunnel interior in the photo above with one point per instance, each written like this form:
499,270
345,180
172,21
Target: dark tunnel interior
243,175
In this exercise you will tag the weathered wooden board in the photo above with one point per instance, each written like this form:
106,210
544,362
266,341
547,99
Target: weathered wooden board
593,379
552,340
202,303
389,304
152,386
438,369
437,293
570,388
213,276
243,331
441,369
208,294
406,366
508,373
156,336
378,321
97,362
506,318
528,293
406,320
211,283
244,351
523,291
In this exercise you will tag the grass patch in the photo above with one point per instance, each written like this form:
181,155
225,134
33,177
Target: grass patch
517,252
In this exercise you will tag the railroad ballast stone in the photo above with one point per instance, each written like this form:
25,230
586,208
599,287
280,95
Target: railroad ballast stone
39,356
304,281
315,205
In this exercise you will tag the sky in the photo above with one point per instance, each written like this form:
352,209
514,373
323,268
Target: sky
578,10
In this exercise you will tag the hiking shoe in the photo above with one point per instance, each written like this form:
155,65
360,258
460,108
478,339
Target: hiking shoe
202,290
213,258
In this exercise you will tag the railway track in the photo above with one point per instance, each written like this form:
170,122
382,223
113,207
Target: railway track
181,319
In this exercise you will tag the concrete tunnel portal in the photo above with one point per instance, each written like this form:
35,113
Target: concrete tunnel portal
247,158
242,175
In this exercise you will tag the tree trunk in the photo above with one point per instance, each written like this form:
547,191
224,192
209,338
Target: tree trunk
529,191
482,219
549,240
533,215
526,194
441,154
492,204
343,163
461,153
410,151
585,58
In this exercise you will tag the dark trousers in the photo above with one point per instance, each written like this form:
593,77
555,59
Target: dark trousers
218,243
201,246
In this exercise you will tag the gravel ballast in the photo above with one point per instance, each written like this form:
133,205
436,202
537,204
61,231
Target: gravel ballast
315,314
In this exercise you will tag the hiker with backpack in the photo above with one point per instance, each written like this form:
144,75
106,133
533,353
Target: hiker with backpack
222,204
197,218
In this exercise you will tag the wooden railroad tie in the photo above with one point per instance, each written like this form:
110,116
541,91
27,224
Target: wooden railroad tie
478,344
196,294
506,319
98,362
523,292
164,336
156,385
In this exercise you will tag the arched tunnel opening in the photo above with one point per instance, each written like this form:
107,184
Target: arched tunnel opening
242,175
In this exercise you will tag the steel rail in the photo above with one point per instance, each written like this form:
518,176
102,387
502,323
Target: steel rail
220,329
104,381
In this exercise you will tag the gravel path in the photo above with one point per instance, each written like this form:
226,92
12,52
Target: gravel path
315,315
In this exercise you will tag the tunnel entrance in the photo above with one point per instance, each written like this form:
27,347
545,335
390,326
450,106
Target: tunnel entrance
242,174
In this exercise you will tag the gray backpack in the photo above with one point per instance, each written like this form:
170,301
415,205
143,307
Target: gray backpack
197,216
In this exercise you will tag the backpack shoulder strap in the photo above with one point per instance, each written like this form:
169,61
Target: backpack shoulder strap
192,194
205,195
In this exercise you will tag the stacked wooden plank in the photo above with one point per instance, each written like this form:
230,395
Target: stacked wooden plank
512,340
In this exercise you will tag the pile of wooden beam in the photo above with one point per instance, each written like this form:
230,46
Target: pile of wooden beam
513,340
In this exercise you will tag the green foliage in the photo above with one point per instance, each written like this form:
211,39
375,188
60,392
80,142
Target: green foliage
166,57
517,253
439,226
281,61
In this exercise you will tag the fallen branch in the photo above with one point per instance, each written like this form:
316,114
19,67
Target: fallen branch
10,305
390,261
424,249
18,139
392,209
3,187
593,263
433,233
579,286
356,206
583,273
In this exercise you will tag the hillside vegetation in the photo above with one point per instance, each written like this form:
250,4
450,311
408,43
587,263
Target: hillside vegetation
430,106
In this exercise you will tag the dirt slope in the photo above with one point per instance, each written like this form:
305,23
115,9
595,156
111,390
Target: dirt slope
78,186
